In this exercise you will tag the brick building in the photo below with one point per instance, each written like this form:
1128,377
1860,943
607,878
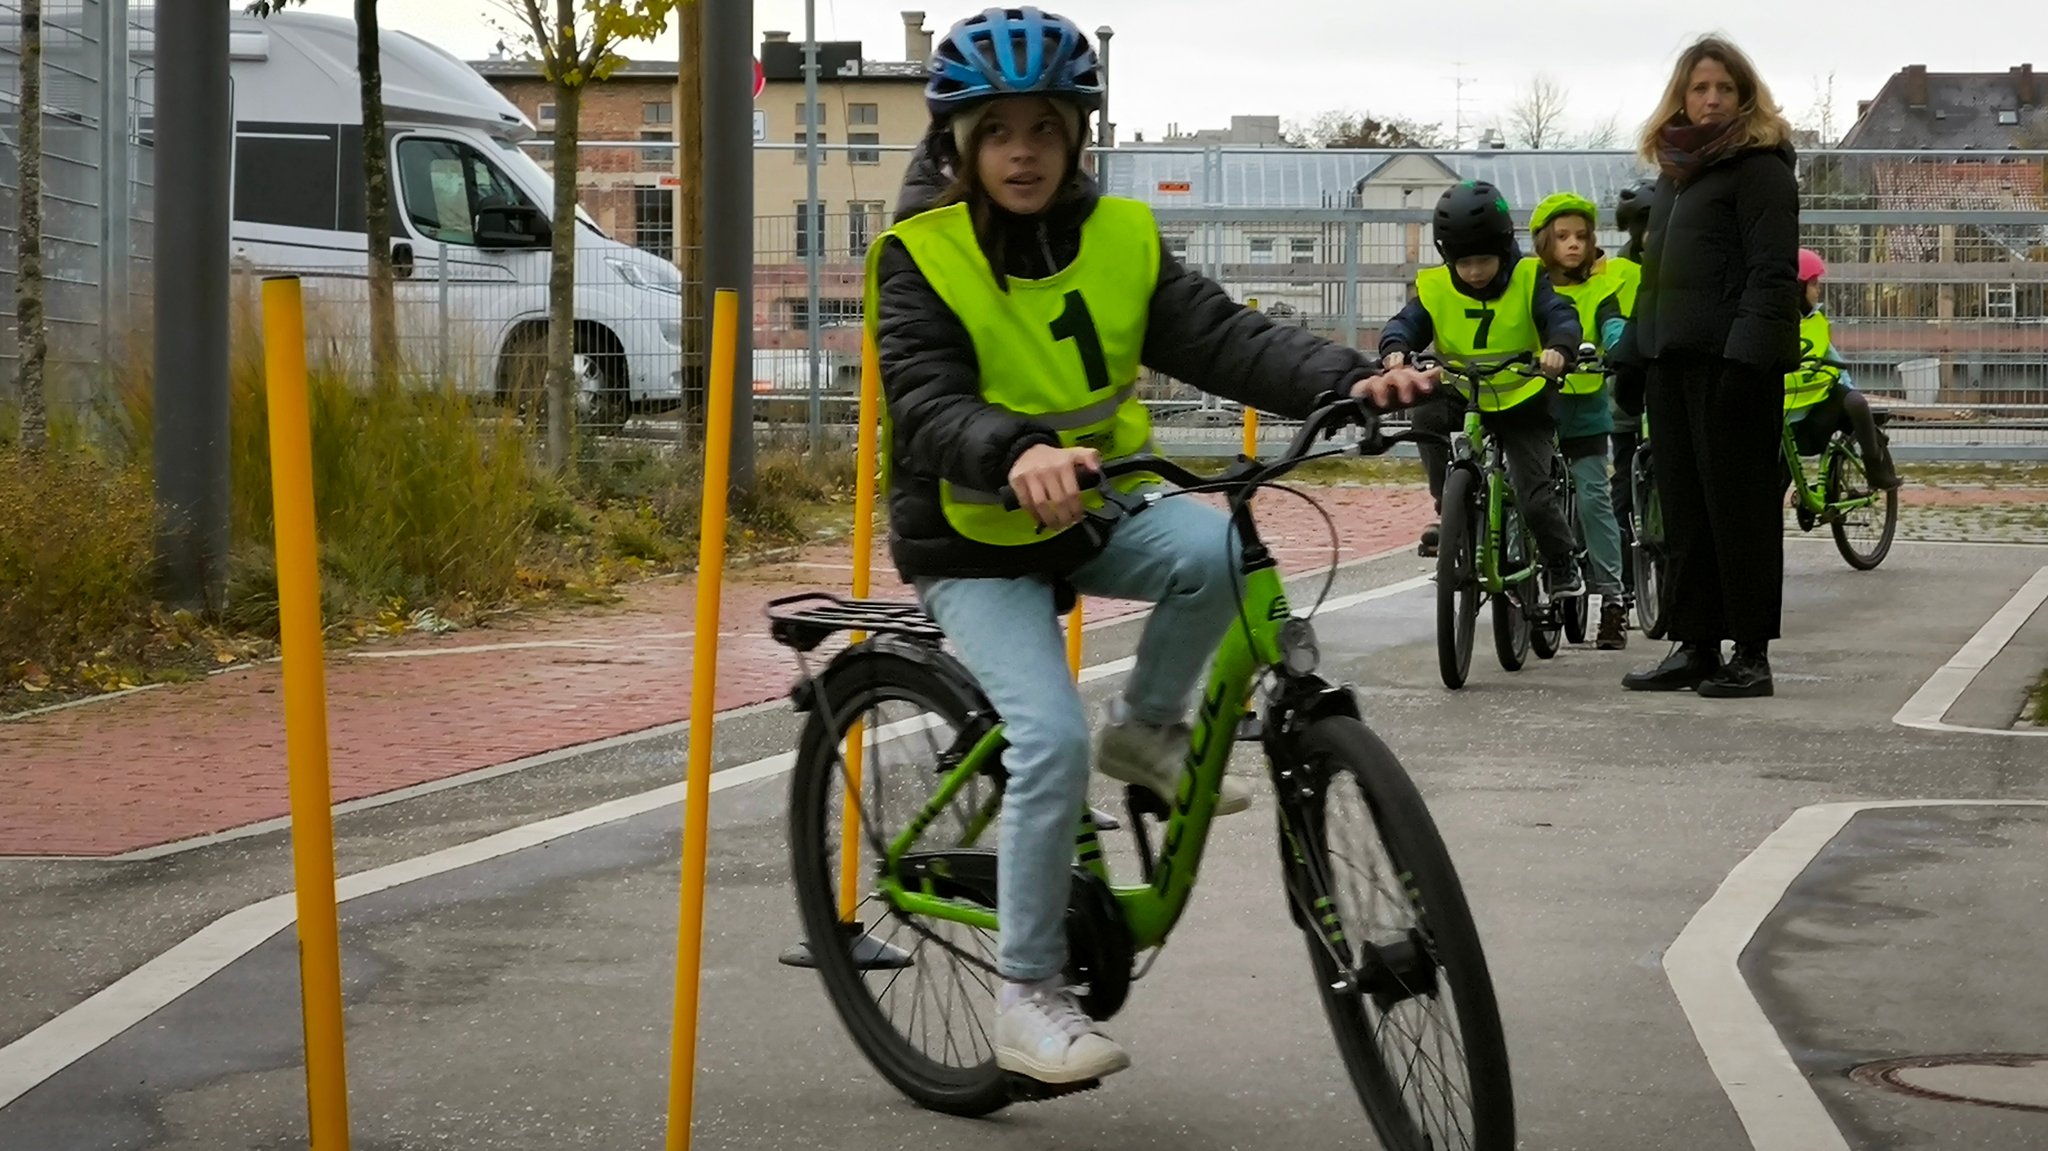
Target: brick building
870,114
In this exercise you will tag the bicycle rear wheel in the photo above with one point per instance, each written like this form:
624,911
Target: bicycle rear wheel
1863,536
1511,631
1396,955
1572,611
1651,586
1457,579
916,995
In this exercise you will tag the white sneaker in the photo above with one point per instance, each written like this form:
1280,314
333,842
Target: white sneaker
1154,757
1044,1035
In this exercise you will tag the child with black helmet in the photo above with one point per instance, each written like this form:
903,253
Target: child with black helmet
1488,301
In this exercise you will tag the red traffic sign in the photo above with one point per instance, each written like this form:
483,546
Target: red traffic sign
760,79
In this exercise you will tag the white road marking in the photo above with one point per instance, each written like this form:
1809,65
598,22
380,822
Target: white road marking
77,1032
1948,683
1771,1095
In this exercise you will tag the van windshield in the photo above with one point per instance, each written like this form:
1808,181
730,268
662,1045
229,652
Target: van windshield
529,172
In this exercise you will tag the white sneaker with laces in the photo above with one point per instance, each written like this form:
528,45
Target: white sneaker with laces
1154,757
1042,1034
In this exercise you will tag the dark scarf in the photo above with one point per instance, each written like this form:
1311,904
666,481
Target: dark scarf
1685,150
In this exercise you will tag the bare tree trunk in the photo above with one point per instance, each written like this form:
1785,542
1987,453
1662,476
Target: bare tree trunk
33,333
690,211
562,381
377,197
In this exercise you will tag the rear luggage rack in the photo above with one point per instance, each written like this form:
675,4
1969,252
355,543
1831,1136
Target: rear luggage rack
807,619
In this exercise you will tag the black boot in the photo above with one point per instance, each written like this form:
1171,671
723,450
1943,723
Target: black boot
1747,675
1683,669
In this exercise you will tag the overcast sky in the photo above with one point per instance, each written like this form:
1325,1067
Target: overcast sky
1197,62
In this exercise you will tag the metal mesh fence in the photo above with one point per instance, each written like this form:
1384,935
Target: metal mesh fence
97,177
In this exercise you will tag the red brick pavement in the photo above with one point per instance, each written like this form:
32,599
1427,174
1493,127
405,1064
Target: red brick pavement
186,760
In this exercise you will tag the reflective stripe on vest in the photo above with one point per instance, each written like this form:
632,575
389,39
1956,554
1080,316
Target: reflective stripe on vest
1805,388
1063,351
1487,331
1587,298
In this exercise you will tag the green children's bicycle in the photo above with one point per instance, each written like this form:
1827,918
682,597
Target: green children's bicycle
904,942
1862,517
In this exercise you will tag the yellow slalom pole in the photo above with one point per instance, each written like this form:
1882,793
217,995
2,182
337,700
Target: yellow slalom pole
1251,414
1074,640
865,458
305,710
718,433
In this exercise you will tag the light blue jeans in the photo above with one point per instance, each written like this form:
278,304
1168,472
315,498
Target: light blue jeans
1596,520
1179,554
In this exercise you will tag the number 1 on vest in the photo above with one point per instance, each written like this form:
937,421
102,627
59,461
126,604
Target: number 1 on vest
1076,324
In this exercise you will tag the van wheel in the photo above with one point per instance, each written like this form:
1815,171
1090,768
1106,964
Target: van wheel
603,389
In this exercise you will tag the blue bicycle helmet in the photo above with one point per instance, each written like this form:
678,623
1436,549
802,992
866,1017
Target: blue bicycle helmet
1012,52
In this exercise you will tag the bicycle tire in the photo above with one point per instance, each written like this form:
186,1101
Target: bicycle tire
1571,610
1444,941
1837,483
1457,580
1651,585
852,687
1511,630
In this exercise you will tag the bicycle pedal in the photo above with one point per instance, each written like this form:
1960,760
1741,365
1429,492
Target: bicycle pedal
1024,1089
1251,730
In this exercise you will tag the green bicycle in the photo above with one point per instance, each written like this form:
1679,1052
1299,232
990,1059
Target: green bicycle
908,946
1862,518
1487,550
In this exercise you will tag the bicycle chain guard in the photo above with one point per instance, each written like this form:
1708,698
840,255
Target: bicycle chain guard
1099,950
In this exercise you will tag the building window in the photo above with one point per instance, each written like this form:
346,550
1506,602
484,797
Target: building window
658,112
654,221
1303,249
810,227
544,116
801,153
863,114
857,155
863,224
833,312
817,116
1176,245
662,157
1262,250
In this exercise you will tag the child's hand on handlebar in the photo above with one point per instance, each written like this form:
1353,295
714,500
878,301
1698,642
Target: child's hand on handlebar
1552,362
1046,484
1395,386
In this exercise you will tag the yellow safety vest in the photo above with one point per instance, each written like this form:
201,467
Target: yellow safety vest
1807,387
1063,350
1479,331
1628,278
1587,298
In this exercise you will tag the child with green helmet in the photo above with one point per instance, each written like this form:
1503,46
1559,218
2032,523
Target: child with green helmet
1563,227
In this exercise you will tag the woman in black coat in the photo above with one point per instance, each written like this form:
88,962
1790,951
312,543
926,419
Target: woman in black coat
1716,328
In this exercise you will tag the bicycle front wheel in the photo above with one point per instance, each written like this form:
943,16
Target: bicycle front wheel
1863,536
1396,955
1457,579
1651,586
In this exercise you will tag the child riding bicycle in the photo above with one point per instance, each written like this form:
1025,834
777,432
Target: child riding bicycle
1488,301
1012,314
1818,400
1563,227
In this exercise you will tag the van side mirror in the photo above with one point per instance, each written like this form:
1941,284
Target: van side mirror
512,226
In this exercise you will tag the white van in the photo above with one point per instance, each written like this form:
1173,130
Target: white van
468,203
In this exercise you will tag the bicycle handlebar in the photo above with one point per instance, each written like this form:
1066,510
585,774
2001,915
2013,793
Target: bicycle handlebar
1333,413
1589,356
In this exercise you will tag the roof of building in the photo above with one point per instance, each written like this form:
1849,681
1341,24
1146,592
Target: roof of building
870,71
1319,177
1958,110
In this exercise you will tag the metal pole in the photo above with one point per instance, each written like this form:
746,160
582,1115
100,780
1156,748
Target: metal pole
1103,138
115,180
441,261
813,226
194,133
729,206
1351,256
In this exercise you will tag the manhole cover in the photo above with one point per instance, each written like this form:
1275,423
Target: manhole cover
2013,1082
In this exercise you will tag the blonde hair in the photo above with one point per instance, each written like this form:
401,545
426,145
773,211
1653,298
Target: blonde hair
1759,122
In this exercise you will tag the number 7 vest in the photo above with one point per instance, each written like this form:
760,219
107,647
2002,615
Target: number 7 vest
1063,350
1484,331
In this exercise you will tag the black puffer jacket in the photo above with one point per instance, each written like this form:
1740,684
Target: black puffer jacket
942,428
1720,266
